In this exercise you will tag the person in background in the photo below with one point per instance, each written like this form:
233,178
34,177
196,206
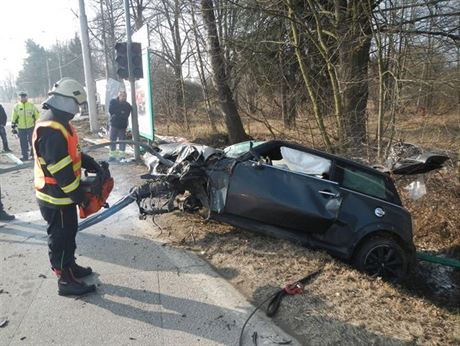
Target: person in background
25,114
4,216
119,110
3,119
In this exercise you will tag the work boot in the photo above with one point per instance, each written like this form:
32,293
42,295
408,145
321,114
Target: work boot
79,271
24,158
7,150
68,285
4,216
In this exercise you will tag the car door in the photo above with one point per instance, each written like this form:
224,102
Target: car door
281,197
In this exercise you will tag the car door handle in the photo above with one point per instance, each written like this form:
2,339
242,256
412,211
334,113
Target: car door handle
329,193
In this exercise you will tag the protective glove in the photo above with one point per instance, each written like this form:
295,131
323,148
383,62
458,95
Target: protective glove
14,130
84,203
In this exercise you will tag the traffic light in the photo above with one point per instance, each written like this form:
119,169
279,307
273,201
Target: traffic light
136,60
122,60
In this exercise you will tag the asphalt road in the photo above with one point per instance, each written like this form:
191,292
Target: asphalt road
147,292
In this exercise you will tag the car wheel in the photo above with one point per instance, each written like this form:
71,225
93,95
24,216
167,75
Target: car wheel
384,257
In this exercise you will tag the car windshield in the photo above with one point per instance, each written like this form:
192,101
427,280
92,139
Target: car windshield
239,149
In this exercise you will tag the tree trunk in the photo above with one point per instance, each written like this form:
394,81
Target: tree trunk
353,18
307,78
200,68
236,132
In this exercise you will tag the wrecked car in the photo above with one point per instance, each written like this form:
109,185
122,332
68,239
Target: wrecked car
290,191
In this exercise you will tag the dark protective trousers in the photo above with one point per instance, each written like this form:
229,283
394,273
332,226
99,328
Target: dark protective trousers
25,139
62,230
4,139
117,134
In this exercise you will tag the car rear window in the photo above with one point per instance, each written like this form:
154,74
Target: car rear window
374,185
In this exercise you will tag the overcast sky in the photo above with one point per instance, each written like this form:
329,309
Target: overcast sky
44,21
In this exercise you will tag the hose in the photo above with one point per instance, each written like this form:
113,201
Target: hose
277,297
135,195
450,262
115,208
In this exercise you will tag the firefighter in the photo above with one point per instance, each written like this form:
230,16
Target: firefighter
57,172
25,114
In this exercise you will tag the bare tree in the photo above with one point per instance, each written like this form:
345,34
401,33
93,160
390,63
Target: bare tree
233,122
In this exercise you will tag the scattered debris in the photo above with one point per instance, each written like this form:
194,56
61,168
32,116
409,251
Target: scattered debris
416,189
409,159
43,276
280,342
3,323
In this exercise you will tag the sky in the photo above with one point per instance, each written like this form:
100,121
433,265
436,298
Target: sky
44,21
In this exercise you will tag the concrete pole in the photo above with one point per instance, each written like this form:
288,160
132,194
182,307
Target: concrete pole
59,61
48,72
104,41
90,85
134,119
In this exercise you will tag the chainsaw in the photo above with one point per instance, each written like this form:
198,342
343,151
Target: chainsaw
97,186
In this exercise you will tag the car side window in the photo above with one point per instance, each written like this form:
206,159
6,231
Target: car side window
359,180
302,162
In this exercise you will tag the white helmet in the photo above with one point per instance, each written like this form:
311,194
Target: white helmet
69,87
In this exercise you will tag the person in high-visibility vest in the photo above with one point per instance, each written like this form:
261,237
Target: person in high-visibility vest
25,114
57,171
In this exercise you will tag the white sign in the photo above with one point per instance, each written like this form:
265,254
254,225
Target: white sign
144,89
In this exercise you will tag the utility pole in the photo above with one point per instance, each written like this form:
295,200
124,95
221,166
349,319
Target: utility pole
48,72
59,59
104,41
134,120
90,87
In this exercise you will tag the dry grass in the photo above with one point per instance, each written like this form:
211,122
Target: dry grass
341,306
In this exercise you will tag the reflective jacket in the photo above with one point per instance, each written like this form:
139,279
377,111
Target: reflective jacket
57,173
25,115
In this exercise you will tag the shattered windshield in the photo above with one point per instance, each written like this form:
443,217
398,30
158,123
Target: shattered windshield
239,149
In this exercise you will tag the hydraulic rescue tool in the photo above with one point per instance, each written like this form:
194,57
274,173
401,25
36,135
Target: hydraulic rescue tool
97,186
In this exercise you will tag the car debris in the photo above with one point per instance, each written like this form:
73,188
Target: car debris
284,190
409,159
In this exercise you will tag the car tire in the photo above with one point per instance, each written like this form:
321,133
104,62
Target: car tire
384,257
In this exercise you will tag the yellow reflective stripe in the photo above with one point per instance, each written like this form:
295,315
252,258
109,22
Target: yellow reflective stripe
76,166
53,200
42,160
72,186
60,165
